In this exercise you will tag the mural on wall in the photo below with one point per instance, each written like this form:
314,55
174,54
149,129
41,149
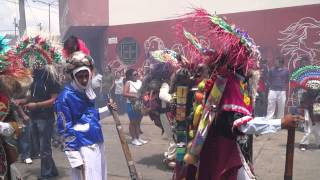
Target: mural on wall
152,43
117,65
301,39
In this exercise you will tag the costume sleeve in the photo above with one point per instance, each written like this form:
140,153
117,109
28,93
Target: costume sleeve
91,113
164,94
65,126
6,129
104,109
260,125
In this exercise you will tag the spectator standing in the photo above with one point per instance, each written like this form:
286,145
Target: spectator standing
130,91
118,92
278,78
44,91
261,100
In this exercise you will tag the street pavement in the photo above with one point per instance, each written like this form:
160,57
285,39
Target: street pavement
269,156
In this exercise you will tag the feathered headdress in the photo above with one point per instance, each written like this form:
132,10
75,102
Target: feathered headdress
219,44
14,77
37,50
74,44
79,59
164,62
307,77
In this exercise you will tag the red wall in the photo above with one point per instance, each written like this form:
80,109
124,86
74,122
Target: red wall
263,26
83,13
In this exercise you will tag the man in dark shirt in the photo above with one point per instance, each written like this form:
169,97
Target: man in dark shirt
44,90
278,80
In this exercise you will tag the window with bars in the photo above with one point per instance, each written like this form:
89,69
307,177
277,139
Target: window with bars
128,50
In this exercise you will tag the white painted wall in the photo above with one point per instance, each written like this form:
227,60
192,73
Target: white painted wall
137,11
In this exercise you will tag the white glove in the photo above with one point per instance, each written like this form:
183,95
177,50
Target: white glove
6,129
81,127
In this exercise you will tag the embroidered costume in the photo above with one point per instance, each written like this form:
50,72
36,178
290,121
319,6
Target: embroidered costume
222,113
78,123
15,79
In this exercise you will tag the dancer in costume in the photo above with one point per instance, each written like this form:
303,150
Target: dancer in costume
226,118
39,55
78,121
14,81
163,65
308,78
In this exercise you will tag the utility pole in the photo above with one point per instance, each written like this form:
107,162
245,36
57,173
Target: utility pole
15,27
22,21
49,5
40,26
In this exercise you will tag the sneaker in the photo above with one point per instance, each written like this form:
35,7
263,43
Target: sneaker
165,154
142,141
136,142
172,164
28,161
303,147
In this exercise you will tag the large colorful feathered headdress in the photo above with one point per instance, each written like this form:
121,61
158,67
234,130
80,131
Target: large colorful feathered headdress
164,62
307,77
217,43
165,56
14,77
37,50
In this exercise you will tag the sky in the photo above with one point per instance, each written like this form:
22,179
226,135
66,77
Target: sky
35,13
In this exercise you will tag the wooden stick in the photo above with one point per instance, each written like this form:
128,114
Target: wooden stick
125,148
83,173
289,154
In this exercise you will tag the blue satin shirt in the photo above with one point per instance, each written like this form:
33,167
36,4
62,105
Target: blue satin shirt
74,109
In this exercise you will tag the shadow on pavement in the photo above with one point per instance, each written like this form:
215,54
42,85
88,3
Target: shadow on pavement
156,161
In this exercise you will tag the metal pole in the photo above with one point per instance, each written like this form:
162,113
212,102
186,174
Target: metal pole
49,20
22,21
15,27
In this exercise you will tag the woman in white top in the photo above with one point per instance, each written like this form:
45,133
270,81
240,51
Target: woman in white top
118,92
130,91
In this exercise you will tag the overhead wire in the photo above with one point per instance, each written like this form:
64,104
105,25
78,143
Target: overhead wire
34,18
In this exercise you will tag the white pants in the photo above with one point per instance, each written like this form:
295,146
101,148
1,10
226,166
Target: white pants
94,164
170,154
274,97
310,129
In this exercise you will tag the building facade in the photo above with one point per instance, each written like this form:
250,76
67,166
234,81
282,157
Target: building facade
120,33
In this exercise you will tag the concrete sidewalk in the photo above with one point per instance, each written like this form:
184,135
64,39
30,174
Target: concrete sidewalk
269,156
